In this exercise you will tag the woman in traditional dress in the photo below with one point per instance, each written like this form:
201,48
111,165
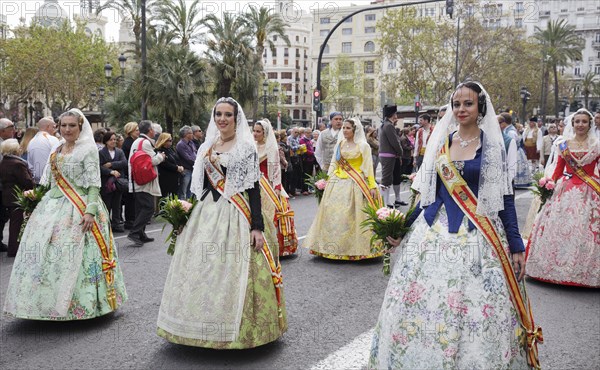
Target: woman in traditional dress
564,247
448,301
336,232
224,289
280,228
523,176
67,266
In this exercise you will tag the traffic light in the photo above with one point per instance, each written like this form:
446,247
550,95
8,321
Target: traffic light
417,106
450,7
317,100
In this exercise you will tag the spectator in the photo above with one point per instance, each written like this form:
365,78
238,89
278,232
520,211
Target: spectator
421,140
27,137
169,171
296,176
390,152
286,169
308,158
7,131
120,141
198,136
315,139
328,140
144,194
406,167
38,150
374,144
132,132
113,166
99,136
186,149
13,172
157,130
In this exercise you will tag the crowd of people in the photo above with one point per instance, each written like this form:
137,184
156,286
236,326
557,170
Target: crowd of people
460,267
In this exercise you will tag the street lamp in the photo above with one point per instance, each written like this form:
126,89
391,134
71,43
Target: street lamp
101,103
525,95
108,68
265,96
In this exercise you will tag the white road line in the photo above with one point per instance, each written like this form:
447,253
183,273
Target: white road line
147,232
354,355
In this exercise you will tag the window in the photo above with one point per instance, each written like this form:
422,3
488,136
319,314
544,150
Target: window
296,114
274,61
346,47
392,64
326,20
368,105
285,62
286,75
323,33
326,49
324,66
369,29
347,68
519,22
577,71
275,38
430,12
369,17
297,38
346,105
305,39
598,37
369,46
349,20
369,86
273,75
346,31
286,52
274,53
288,99
597,69
369,66
286,87
303,113
519,9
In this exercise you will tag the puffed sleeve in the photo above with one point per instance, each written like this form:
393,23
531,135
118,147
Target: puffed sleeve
508,216
255,208
560,167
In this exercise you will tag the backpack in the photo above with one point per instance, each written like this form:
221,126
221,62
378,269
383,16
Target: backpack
142,169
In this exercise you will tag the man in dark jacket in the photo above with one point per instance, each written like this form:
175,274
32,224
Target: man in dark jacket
389,151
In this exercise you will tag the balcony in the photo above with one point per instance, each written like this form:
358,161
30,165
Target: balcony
297,79
580,10
544,14
596,44
519,12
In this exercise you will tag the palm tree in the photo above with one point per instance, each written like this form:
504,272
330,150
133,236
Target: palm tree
176,82
560,44
229,46
263,23
130,10
588,86
183,21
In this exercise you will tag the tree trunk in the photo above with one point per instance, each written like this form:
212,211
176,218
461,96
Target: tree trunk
259,52
545,82
556,107
169,122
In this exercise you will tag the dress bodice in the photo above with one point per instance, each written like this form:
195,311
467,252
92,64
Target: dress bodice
564,169
355,159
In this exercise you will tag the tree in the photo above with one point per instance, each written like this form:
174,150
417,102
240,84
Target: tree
342,87
560,44
263,23
588,86
229,51
62,64
183,21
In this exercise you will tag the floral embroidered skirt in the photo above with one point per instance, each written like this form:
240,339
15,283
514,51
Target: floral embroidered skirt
219,292
57,273
564,247
447,305
336,232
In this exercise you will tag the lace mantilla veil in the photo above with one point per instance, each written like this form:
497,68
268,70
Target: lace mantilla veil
242,168
272,151
83,146
361,142
493,177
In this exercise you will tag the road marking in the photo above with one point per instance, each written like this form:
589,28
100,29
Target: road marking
147,232
354,355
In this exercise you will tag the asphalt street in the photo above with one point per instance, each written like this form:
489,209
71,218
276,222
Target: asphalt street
329,303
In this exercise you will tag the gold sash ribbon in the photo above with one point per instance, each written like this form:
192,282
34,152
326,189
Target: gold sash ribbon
577,169
284,216
106,249
359,180
467,201
217,180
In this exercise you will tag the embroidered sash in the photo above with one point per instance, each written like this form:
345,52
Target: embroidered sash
106,249
217,180
284,216
359,180
577,169
467,201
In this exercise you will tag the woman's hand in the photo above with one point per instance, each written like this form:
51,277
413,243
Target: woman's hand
373,193
115,173
393,242
107,165
518,260
87,221
180,169
257,240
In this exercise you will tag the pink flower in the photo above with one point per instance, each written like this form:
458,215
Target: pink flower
321,184
28,194
450,352
186,205
542,181
455,301
550,185
383,213
414,294
487,310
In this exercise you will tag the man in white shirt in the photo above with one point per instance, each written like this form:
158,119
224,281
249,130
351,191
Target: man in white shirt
510,144
548,141
327,140
40,146
421,139
597,124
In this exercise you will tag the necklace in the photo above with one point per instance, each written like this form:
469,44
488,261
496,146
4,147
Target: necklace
464,143
223,141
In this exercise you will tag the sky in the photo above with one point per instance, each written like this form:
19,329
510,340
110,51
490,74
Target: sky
16,9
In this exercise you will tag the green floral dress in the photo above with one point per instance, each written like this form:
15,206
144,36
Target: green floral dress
57,273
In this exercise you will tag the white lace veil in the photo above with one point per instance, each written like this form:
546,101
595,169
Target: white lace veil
361,142
242,169
83,145
271,149
493,178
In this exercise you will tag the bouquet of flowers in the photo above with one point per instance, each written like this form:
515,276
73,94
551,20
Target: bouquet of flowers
543,187
301,149
384,222
318,182
177,213
27,200
413,193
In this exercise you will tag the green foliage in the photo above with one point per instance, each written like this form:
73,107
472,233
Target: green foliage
342,86
27,200
312,182
175,212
